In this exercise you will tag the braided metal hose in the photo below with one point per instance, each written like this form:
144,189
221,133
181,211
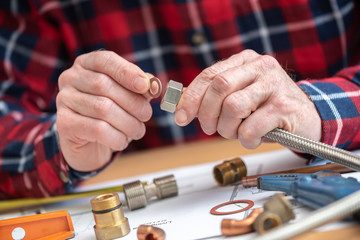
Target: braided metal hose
315,148
335,211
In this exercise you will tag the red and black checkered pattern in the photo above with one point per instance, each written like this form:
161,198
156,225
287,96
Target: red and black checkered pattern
173,39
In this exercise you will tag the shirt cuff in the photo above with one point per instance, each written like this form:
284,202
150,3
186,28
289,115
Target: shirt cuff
338,111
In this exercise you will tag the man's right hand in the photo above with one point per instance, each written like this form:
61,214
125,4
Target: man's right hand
102,105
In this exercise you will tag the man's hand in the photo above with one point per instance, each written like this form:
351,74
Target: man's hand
101,106
245,97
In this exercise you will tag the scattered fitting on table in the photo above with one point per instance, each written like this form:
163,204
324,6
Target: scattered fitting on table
232,227
172,96
230,171
137,194
277,211
147,232
110,222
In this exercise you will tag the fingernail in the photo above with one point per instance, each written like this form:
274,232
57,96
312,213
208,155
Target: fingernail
141,84
180,117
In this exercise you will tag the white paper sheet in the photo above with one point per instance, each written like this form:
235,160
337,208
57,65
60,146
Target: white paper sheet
187,216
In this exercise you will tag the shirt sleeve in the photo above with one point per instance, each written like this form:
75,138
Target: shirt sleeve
31,59
337,100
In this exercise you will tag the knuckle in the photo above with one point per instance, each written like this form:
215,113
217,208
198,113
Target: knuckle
248,52
102,106
220,85
240,58
284,105
268,62
79,60
60,100
100,83
65,78
101,58
99,127
233,108
246,137
210,72
190,96
120,72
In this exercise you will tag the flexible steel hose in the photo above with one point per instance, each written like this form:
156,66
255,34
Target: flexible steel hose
172,96
315,148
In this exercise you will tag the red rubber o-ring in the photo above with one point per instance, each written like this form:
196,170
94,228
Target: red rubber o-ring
215,212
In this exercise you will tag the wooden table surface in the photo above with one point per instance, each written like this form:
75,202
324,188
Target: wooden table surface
149,161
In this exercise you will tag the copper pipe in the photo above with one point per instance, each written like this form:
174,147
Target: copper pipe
232,227
147,232
251,181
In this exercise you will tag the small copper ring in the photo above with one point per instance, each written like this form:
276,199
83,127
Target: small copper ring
158,82
215,212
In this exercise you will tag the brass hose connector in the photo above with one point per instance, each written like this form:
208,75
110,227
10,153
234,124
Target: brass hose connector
230,171
232,227
137,195
147,232
110,222
277,211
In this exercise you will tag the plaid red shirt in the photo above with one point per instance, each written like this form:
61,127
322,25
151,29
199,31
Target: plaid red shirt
173,39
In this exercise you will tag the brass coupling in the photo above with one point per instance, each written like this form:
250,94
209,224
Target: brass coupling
137,195
110,222
148,232
230,171
277,211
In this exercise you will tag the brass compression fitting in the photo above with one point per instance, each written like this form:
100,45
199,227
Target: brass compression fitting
110,222
277,211
137,195
230,171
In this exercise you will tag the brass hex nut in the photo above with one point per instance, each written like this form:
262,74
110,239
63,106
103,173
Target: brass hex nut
172,96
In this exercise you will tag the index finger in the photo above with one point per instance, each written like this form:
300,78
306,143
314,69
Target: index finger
119,69
193,95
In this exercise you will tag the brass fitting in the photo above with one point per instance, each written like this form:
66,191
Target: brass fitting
137,194
147,232
172,96
277,211
230,171
232,227
110,222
